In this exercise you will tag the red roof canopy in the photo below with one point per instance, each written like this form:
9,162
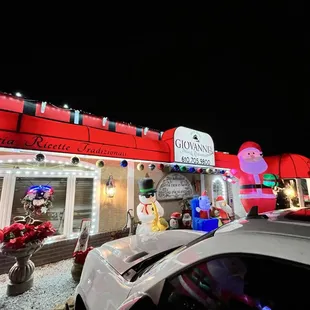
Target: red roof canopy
289,166
28,125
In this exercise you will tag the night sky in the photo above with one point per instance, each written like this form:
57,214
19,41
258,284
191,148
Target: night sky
238,79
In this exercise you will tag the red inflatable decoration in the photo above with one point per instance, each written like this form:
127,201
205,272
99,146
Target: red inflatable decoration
252,191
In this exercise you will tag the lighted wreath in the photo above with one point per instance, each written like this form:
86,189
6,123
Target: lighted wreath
38,199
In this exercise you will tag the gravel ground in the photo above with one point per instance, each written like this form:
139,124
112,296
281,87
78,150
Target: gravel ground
53,285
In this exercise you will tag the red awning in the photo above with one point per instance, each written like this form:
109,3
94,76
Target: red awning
22,131
289,166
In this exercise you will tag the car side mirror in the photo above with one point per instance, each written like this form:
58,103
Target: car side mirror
138,301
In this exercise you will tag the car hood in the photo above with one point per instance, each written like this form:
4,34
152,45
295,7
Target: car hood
122,254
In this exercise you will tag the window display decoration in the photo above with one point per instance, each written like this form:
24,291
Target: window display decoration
99,163
152,167
204,206
33,164
81,250
175,219
176,168
159,223
140,167
38,199
40,158
75,160
271,180
149,211
20,241
161,167
183,168
200,170
34,171
80,256
201,223
229,178
253,167
124,163
191,170
18,235
222,210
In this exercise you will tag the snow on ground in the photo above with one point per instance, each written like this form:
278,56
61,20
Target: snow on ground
53,285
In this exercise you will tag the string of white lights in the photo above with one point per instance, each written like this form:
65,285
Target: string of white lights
66,107
47,173
30,161
37,169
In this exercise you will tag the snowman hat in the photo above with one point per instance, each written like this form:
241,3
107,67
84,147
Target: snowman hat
204,193
249,146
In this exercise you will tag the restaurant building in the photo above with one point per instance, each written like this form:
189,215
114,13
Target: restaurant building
94,164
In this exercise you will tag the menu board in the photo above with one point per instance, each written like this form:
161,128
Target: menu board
174,186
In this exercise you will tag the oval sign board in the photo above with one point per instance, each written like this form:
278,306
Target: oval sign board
193,147
174,186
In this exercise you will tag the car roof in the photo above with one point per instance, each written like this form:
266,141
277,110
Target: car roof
290,222
283,234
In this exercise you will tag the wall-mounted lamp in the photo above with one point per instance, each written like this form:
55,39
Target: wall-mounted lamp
110,187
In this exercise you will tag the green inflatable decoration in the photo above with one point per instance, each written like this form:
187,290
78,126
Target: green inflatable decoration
270,180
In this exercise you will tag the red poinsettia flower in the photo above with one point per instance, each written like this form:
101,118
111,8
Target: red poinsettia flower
1,236
80,256
16,243
45,230
15,229
17,235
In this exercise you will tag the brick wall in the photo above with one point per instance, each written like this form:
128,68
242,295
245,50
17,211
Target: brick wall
57,251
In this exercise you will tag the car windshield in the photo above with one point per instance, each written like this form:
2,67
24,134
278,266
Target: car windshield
180,249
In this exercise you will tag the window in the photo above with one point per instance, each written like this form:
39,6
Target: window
55,214
83,201
218,189
239,282
305,192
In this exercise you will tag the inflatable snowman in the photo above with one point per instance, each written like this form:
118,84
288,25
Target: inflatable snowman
147,196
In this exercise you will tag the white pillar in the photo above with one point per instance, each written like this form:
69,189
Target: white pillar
131,187
96,206
300,193
7,197
69,206
202,183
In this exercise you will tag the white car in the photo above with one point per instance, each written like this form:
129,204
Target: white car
259,262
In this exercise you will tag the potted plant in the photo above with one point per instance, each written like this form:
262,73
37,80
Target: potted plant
78,263
21,240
